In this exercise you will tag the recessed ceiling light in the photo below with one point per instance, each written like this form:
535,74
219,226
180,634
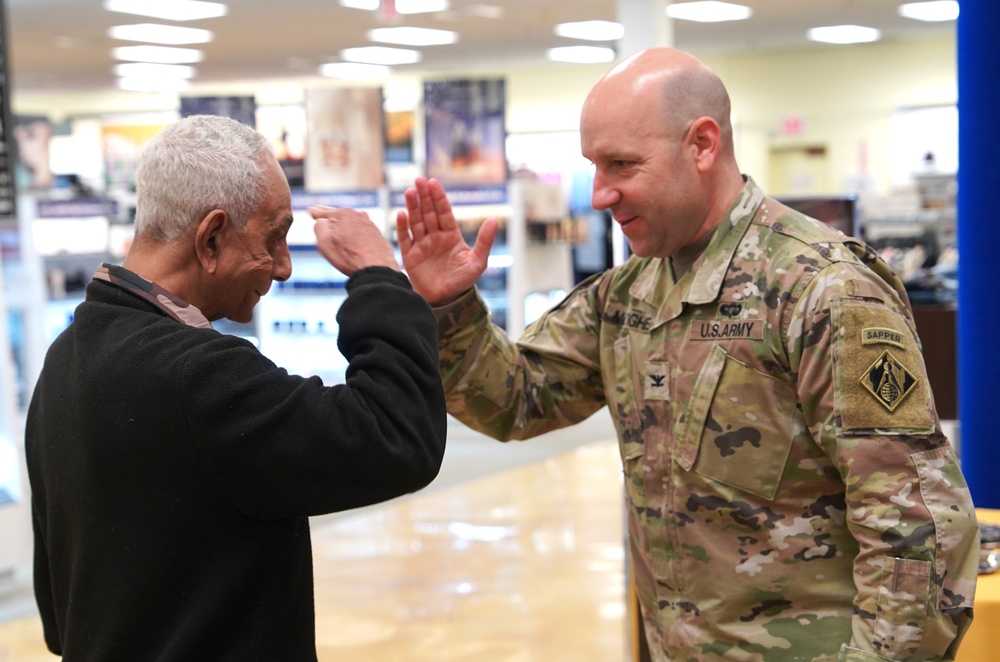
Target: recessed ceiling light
354,70
153,84
709,11
844,34
380,55
591,30
409,36
151,70
581,54
161,54
171,10
402,6
155,33
937,10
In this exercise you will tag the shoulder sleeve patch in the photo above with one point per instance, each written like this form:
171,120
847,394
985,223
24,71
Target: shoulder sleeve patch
881,380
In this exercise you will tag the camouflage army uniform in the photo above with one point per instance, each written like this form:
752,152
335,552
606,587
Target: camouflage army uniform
790,493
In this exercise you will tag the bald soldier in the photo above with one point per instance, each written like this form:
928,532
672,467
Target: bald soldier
790,493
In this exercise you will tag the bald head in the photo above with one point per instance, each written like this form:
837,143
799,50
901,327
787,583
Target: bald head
678,87
657,129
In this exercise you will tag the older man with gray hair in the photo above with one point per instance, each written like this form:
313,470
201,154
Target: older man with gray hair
173,467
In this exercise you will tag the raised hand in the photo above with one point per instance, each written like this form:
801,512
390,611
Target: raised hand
350,241
440,265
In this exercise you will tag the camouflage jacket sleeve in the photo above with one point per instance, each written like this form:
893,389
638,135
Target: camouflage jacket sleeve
864,391
549,379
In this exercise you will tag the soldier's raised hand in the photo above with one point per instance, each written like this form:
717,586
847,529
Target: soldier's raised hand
440,265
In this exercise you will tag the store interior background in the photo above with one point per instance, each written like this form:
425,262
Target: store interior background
853,122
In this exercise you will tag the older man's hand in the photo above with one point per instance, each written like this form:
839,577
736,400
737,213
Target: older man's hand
349,240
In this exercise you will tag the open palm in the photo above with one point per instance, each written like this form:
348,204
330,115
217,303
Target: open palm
440,265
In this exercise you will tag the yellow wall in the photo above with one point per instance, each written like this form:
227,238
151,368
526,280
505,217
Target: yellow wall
846,95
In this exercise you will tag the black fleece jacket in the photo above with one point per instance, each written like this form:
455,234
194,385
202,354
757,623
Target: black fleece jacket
173,470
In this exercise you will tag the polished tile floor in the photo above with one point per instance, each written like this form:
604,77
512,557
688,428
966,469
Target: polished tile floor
515,554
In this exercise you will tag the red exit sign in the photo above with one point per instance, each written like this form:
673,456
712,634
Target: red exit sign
792,125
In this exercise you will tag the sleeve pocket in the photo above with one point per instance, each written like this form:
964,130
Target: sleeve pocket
902,606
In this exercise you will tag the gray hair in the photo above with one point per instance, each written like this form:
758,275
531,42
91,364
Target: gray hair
195,165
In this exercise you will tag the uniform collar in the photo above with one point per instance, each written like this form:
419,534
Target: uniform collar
703,283
709,273
169,303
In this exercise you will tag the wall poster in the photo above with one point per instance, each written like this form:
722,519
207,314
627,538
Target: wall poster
241,109
33,169
123,142
399,136
345,141
284,126
465,131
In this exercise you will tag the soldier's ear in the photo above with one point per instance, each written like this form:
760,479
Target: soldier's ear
704,139
210,239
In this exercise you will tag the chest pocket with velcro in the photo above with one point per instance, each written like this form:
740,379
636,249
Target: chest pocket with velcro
736,428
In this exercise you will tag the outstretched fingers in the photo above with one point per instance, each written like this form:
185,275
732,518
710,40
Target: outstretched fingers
428,213
484,239
438,199
415,214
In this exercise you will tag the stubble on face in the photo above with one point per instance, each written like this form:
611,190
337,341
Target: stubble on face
640,163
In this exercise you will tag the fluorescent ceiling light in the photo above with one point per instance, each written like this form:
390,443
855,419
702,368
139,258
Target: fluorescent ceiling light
171,10
708,11
155,33
844,34
151,70
581,54
153,84
938,10
591,30
402,6
380,55
160,54
354,70
408,36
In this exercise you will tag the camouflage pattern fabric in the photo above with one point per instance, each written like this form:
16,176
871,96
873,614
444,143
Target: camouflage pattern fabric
790,493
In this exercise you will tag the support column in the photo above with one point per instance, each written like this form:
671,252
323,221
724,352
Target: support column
978,242
646,24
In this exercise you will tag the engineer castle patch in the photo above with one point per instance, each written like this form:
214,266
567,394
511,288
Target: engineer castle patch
889,381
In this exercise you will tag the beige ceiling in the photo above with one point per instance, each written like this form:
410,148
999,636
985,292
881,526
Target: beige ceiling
62,44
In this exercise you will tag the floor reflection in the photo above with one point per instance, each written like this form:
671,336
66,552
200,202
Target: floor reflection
523,565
